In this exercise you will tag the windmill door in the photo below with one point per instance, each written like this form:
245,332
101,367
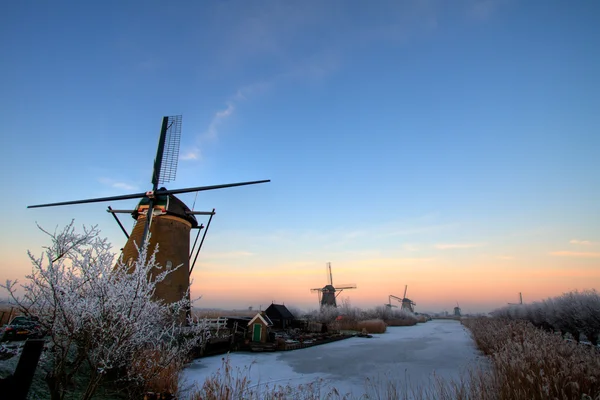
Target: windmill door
256,332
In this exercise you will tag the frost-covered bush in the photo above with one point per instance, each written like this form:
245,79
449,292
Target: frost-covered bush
100,317
347,317
575,313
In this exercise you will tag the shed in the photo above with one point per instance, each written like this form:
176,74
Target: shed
282,317
259,328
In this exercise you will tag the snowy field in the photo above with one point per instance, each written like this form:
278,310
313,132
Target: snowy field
417,354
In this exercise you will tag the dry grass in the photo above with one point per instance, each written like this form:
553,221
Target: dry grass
532,364
157,373
372,326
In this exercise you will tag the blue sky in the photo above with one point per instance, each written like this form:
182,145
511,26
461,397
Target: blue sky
438,144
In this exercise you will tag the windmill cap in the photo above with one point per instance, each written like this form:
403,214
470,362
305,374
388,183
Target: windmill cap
172,206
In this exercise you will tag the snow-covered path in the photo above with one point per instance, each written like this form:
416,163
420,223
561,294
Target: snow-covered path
443,347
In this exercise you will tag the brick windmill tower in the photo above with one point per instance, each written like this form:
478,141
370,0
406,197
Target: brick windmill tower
162,217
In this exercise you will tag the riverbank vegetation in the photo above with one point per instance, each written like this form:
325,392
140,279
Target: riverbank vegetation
523,363
575,313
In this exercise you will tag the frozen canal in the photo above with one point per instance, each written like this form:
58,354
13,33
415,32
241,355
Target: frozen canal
441,348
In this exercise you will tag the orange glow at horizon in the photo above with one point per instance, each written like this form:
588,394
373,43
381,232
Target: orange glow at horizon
433,284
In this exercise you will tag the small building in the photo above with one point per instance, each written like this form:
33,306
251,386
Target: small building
282,317
259,328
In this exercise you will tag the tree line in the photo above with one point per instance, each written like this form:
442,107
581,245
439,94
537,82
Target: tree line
576,313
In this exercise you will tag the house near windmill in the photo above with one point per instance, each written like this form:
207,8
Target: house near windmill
280,316
260,327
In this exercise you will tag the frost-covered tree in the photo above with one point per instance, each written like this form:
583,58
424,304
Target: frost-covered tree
574,313
101,316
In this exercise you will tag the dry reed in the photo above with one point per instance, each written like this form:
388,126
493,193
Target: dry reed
532,364
372,326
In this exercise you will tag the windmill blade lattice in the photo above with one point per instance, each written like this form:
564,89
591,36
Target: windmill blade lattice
170,151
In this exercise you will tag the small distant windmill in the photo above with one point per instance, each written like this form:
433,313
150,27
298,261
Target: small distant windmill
457,310
389,304
161,217
329,293
407,304
520,303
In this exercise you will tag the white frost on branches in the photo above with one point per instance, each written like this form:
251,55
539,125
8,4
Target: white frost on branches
574,312
101,314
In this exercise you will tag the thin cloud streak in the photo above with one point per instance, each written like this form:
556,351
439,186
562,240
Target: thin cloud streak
218,119
116,184
192,154
576,254
581,242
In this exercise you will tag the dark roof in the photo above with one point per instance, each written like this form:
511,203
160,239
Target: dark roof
266,317
173,206
279,311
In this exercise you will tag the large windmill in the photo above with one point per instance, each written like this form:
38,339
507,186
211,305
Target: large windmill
407,304
327,294
162,216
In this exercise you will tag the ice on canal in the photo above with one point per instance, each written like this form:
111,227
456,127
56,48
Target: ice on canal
418,354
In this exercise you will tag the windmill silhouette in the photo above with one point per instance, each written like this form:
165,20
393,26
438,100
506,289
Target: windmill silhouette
327,294
520,303
457,310
163,217
407,304
389,303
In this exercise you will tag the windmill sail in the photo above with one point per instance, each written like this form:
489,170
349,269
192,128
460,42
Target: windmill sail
167,153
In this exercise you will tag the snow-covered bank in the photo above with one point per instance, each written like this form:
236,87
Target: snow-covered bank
443,348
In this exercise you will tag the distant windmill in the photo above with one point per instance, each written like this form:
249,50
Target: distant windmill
520,303
329,293
407,304
457,310
390,297
162,216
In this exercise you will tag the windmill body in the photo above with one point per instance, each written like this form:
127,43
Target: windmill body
407,304
457,310
162,218
328,293
170,231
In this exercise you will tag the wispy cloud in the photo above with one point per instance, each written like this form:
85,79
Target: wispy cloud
218,119
577,254
505,258
581,242
116,184
190,154
452,246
